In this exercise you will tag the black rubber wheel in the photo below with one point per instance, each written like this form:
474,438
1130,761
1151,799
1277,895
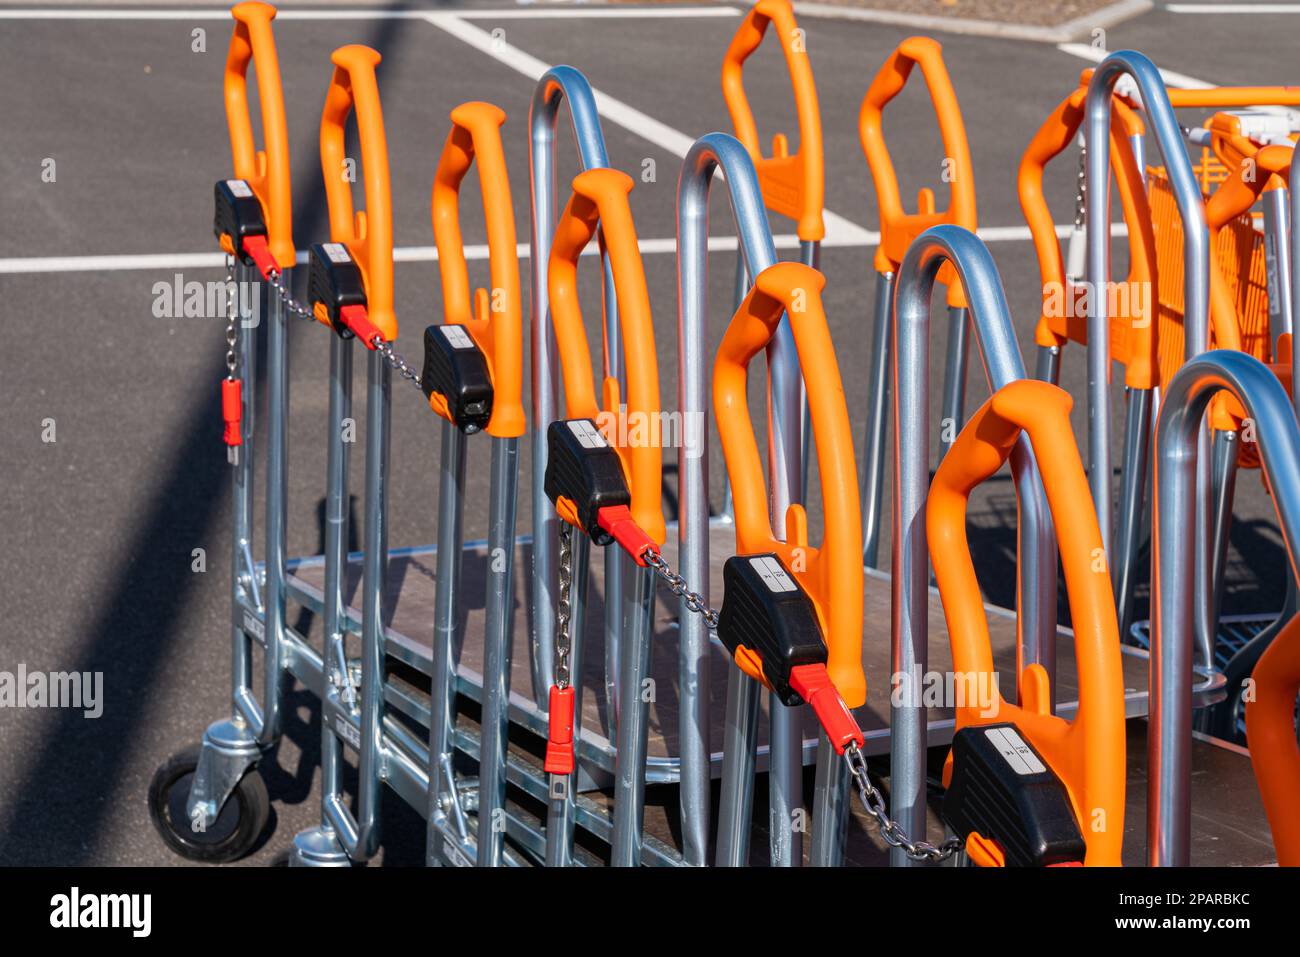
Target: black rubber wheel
237,828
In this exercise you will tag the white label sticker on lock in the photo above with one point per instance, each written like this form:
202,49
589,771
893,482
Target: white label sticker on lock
773,574
457,336
347,731
239,188
587,434
337,253
1017,753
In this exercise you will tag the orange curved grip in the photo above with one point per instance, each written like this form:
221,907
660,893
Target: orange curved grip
1227,97
831,574
1064,315
1270,728
266,171
600,199
792,185
494,320
1257,170
1088,752
897,227
368,233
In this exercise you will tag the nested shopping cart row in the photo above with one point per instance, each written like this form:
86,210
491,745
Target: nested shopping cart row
523,696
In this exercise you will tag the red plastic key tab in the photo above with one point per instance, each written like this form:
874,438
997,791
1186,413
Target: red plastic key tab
814,686
618,521
232,406
260,253
356,319
559,738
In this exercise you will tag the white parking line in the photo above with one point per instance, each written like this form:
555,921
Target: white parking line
1086,52
838,228
556,13
863,239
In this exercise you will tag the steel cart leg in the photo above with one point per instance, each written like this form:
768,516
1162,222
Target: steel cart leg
739,756
444,802
497,652
232,746
633,725
319,846
360,835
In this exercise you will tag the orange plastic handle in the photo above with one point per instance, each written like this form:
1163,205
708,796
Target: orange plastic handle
266,171
899,228
1088,752
831,574
1259,169
368,233
1270,726
496,320
1133,335
792,185
1225,97
600,199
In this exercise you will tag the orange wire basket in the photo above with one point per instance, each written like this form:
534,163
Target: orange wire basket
1238,254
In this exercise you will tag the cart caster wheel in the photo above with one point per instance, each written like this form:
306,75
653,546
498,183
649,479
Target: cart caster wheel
242,819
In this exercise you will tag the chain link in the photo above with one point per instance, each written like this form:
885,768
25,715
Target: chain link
695,602
1081,187
296,309
563,606
890,830
395,360
232,322
872,799
292,305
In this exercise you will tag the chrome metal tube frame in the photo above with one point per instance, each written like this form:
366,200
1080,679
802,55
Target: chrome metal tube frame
874,444
445,834
497,652
320,846
757,252
633,725
559,84
1036,545
359,835
1178,448
1137,447
1196,258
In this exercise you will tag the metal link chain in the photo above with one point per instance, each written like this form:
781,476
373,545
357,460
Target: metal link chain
695,602
563,606
872,799
1081,187
890,829
294,307
232,323
299,311
395,360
